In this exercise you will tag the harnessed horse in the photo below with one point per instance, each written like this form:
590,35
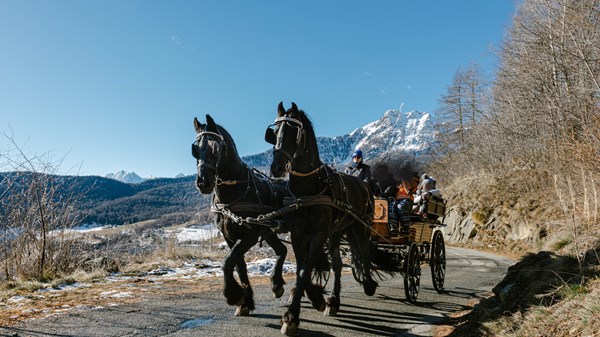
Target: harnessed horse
330,204
239,192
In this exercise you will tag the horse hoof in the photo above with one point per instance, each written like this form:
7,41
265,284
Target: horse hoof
242,311
331,311
240,302
279,292
289,329
369,287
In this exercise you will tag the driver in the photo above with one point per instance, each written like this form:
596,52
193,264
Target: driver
359,168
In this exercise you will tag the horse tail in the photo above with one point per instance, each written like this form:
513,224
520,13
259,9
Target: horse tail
357,257
383,260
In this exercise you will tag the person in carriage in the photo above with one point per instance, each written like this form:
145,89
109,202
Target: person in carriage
425,190
383,183
404,200
400,195
358,168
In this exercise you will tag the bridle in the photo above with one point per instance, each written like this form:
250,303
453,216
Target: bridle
300,144
218,138
293,123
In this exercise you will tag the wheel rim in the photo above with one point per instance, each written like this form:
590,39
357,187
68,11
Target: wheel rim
412,273
320,277
320,274
357,277
438,262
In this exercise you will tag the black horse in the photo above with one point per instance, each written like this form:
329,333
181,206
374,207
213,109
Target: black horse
332,204
240,192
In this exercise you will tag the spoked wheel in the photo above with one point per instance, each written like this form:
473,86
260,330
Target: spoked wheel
357,277
437,261
320,274
320,277
412,272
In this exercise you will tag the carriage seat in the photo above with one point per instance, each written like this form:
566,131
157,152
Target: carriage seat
435,207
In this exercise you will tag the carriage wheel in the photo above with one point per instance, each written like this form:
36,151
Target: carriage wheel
320,274
412,272
320,277
357,277
437,261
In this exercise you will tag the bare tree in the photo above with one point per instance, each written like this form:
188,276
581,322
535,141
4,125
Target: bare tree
34,216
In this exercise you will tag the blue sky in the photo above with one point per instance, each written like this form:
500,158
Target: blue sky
115,84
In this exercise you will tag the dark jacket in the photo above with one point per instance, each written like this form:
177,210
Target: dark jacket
385,187
361,170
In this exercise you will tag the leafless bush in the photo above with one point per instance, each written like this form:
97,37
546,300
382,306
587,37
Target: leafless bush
34,218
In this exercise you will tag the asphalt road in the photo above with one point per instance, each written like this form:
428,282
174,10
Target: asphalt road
470,274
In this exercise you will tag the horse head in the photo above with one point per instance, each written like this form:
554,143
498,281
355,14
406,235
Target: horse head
208,149
288,136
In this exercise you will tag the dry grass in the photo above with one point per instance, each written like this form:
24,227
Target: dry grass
543,295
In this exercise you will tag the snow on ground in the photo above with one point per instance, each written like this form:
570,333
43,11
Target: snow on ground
85,228
197,233
189,270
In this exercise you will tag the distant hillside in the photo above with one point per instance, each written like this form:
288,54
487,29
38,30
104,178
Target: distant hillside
152,199
108,201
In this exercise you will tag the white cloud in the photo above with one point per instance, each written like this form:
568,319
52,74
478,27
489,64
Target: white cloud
179,42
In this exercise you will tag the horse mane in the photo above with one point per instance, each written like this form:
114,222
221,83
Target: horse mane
311,137
229,140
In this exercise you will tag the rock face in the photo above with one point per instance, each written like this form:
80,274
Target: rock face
460,228
499,229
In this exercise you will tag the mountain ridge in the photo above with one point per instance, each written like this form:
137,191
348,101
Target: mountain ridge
396,133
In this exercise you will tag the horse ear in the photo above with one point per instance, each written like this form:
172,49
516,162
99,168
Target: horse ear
197,125
280,109
294,108
210,124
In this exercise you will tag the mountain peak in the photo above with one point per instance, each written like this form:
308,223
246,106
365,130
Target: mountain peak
394,134
126,177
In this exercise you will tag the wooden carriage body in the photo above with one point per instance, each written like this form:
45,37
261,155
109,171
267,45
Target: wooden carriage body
421,228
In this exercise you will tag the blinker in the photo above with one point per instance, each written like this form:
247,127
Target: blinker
195,151
270,136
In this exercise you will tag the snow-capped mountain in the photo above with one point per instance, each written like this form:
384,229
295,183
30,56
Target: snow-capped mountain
396,134
126,177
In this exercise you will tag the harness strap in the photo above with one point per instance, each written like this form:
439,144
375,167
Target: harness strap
229,182
288,168
210,133
210,166
288,119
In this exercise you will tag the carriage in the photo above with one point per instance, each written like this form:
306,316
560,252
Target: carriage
418,241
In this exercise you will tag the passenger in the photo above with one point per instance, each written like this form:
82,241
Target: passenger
404,202
384,184
425,190
359,168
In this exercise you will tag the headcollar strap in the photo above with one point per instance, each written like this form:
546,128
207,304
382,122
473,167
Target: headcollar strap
288,119
209,133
